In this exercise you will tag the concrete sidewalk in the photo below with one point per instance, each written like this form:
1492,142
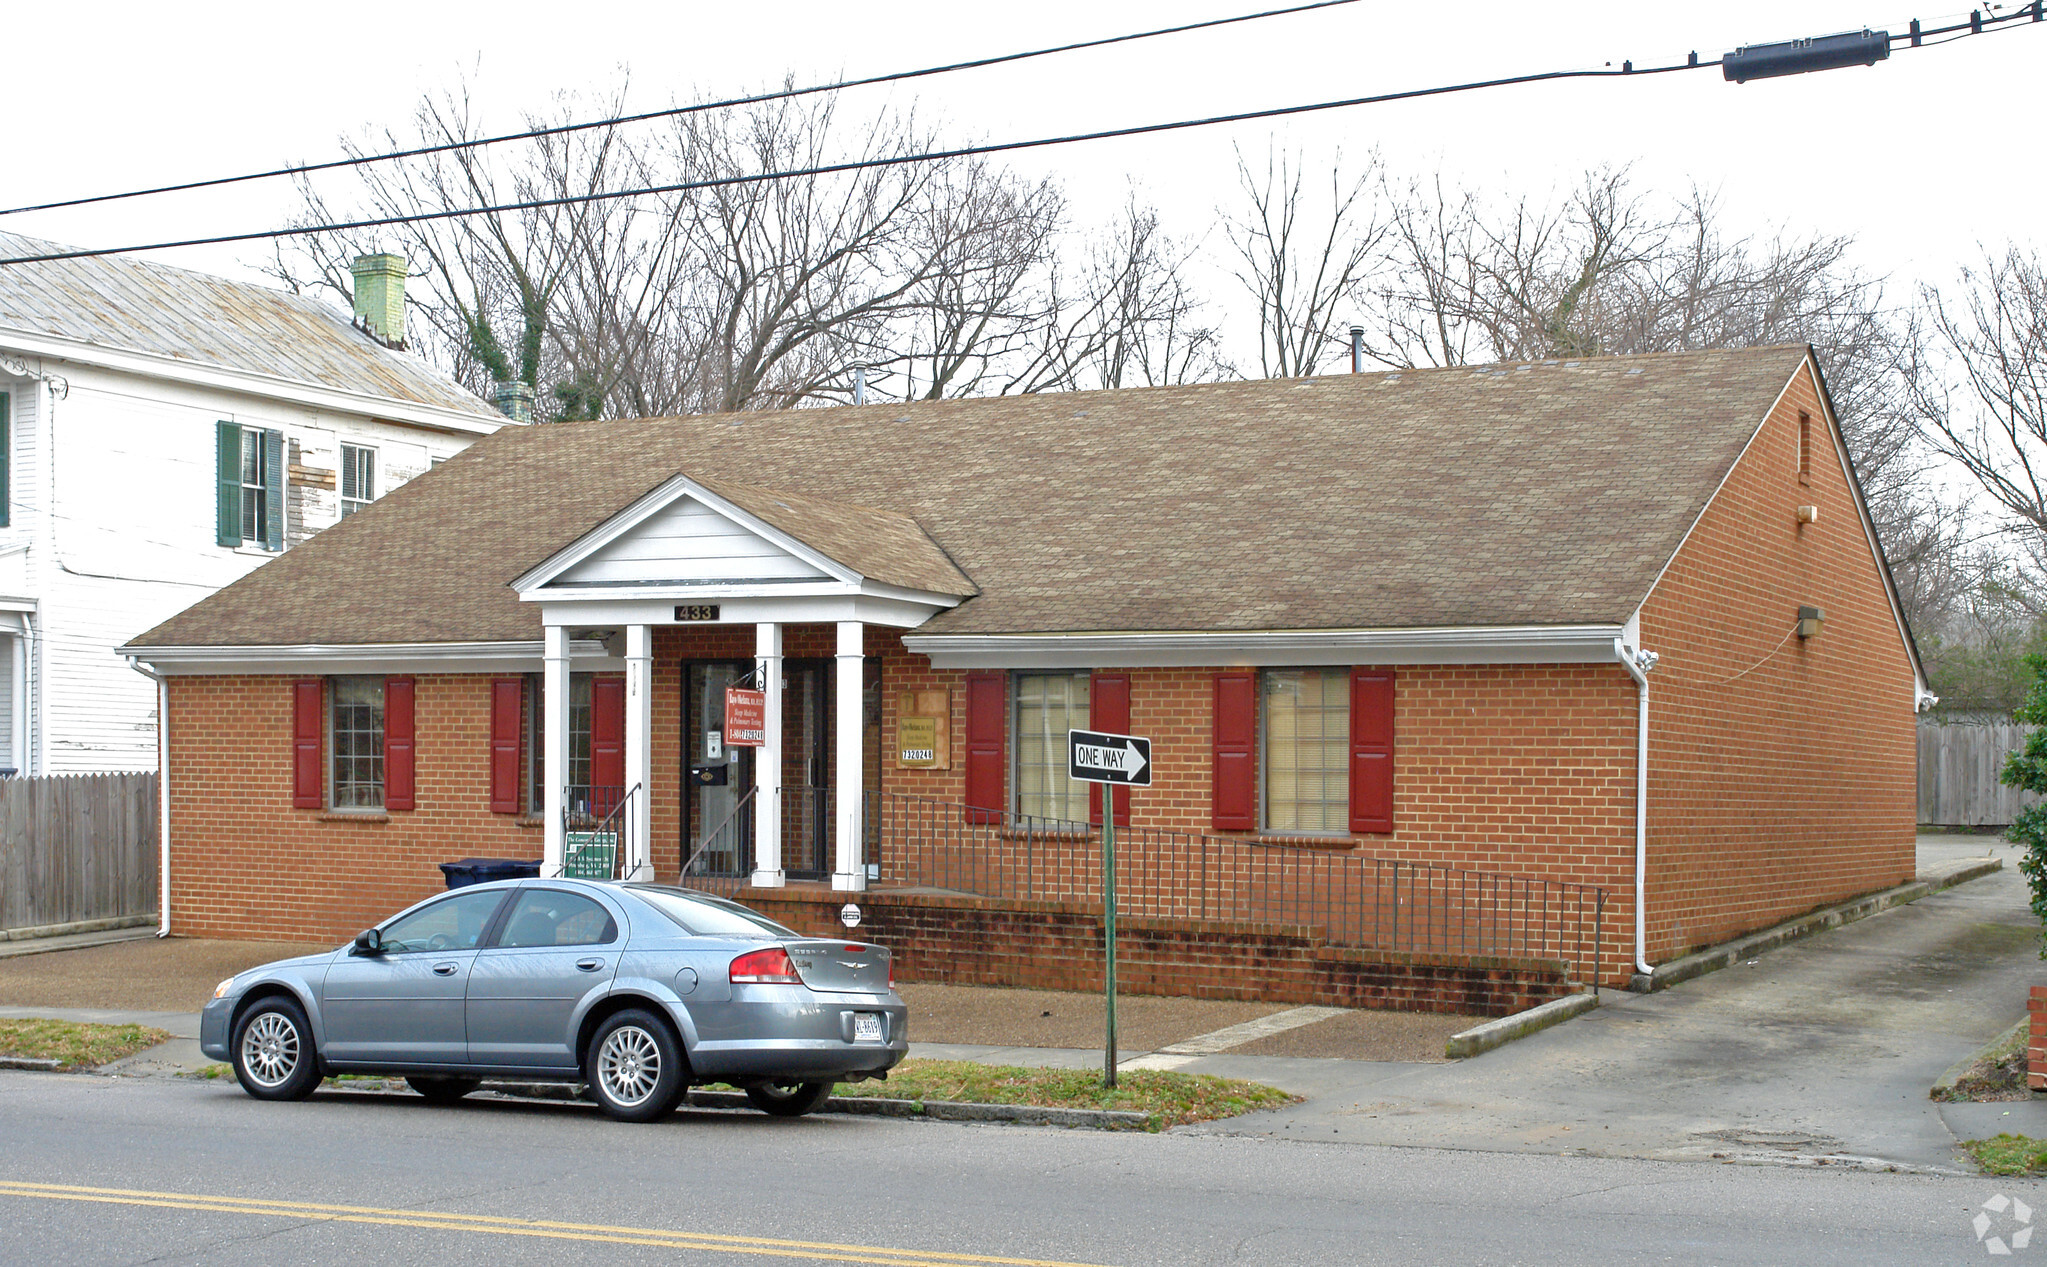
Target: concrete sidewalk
1820,1052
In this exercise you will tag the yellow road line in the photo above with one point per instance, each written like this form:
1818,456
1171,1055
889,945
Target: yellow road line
665,1238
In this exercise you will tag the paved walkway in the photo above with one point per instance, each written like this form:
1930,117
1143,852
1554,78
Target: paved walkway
1822,1049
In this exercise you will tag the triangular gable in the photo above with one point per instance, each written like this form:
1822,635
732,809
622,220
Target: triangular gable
683,533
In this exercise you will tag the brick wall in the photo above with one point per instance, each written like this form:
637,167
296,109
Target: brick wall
2036,1038
1782,770
244,863
1058,946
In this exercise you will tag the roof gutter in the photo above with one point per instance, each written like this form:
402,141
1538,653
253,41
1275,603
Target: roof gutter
1638,663
1491,644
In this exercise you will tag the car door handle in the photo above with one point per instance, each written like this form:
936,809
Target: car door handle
589,965
445,969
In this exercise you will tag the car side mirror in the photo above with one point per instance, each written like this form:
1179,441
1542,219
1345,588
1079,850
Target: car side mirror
368,942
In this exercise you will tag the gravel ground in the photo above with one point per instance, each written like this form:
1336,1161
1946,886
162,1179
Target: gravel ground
176,974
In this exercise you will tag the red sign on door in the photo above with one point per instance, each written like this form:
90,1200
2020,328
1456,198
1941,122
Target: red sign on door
746,717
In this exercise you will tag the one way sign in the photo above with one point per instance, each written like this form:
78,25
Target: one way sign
1092,757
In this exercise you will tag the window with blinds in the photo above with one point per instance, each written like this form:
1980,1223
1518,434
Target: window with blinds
1047,706
1306,728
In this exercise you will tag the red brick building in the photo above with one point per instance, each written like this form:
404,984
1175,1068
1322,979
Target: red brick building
1400,641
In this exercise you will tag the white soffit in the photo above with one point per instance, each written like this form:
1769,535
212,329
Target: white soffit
423,657
1545,644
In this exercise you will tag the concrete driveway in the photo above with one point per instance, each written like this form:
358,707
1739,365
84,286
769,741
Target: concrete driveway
1822,1049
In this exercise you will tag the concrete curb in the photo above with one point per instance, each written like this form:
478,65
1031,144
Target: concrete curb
1506,1029
77,928
875,1106
1944,1086
1727,954
36,1063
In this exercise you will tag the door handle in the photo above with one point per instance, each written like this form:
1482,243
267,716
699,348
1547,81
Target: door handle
589,965
445,969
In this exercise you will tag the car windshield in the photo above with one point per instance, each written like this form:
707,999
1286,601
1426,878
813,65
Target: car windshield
707,916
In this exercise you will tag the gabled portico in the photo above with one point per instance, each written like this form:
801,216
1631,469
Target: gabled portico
712,552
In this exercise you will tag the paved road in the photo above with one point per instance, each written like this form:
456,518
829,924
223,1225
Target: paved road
150,1170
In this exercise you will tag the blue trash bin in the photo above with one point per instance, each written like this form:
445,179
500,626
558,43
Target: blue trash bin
478,870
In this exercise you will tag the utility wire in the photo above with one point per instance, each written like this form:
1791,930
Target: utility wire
1628,70
618,120
852,165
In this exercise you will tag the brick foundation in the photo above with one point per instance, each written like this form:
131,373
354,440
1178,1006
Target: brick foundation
1058,946
2036,1038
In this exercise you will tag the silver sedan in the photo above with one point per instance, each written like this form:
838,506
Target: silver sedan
639,990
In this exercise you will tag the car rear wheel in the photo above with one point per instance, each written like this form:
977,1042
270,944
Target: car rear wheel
789,1099
442,1090
635,1067
273,1051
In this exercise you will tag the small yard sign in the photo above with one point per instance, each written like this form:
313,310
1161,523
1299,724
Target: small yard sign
746,717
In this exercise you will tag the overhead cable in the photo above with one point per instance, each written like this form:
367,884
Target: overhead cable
671,112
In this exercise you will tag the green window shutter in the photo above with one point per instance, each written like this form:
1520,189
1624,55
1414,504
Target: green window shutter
6,460
273,490
228,466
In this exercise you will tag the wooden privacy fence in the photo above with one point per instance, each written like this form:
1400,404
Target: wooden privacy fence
1958,768
77,847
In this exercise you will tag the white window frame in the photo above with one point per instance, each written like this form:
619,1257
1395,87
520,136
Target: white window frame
1077,790
333,755
1265,823
367,455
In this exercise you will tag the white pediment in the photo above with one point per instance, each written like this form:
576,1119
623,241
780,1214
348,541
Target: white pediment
690,541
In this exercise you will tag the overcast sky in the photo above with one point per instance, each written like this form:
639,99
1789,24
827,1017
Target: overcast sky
1920,157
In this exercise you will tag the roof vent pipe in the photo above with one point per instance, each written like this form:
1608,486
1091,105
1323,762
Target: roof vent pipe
380,297
1357,349
860,384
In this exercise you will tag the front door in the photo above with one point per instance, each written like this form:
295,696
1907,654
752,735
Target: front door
718,819
405,1006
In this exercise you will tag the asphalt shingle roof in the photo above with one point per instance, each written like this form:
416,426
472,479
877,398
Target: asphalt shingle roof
1538,494
132,305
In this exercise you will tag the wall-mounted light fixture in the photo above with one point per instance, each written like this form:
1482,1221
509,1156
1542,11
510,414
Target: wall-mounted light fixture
1810,621
1808,514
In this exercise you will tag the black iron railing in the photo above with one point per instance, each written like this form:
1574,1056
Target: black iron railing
1353,899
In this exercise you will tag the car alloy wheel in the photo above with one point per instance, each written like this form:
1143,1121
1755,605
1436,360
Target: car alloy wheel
789,1099
273,1051
635,1066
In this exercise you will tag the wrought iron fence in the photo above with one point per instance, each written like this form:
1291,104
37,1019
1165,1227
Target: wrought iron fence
722,857
1355,900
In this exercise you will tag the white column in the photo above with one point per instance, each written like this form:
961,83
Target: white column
554,761
767,769
849,872
639,751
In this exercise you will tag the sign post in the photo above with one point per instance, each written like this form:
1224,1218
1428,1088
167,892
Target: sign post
1113,761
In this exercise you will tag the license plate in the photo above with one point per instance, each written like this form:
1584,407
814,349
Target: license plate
866,1027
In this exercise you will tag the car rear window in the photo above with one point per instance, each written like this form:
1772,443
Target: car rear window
706,916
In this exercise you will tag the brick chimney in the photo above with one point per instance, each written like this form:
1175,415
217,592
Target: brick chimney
514,400
380,297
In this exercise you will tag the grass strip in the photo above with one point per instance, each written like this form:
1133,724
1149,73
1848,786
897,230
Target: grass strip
75,1044
2009,1154
1167,1097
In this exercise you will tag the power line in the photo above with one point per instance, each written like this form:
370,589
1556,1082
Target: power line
851,165
619,120
1629,70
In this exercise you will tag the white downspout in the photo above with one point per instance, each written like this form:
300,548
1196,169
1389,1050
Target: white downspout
1638,663
163,794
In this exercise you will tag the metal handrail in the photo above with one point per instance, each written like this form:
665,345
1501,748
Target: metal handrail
712,834
618,814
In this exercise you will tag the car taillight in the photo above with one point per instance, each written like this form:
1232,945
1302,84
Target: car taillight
891,972
765,967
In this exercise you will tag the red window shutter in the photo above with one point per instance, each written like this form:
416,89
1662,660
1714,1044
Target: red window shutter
308,727
507,694
1233,797
607,733
987,720
1109,711
1371,750
398,744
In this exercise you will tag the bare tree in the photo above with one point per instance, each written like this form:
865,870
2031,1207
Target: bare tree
1302,266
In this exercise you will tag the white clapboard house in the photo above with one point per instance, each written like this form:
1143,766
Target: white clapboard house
162,433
